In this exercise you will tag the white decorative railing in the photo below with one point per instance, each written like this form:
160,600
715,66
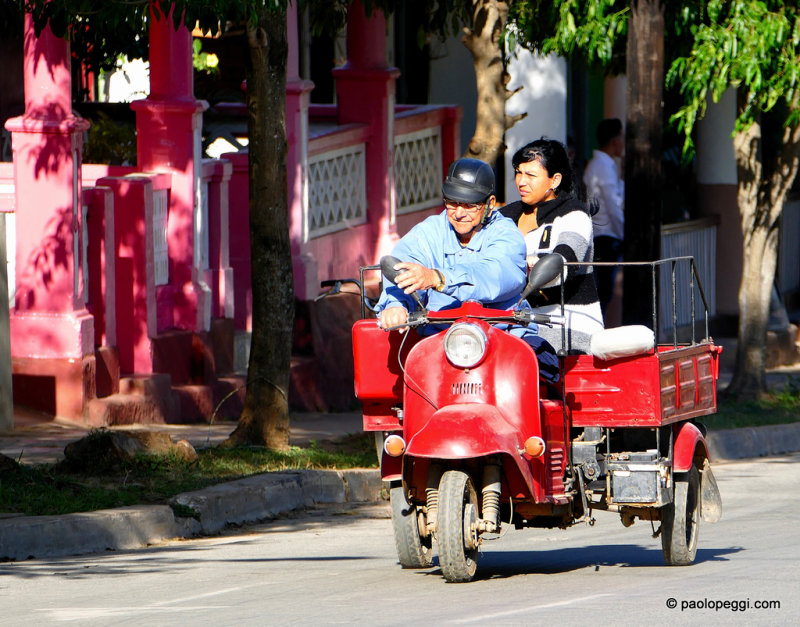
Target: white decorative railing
418,169
160,245
698,239
337,196
788,268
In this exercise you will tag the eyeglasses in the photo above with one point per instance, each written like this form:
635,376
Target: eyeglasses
470,207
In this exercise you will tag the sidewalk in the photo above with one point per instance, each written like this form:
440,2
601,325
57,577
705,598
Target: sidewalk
39,439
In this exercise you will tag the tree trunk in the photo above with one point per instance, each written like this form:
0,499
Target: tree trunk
265,419
483,42
760,199
643,179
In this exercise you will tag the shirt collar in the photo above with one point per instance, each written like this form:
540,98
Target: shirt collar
453,246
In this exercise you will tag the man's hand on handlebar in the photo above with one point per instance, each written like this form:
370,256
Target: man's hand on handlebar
415,277
393,317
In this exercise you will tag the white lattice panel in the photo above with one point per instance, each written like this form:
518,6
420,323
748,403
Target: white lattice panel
336,190
160,245
418,170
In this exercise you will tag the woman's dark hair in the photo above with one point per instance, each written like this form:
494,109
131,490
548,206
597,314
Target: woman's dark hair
552,156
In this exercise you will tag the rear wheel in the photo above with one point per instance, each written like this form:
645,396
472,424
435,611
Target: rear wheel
413,550
680,521
457,526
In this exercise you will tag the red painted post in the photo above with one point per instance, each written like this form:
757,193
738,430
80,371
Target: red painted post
217,174
136,276
306,282
168,126
365,91
52,333
239,240
101,301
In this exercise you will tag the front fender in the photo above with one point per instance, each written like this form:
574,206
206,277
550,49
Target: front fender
688,439
465,431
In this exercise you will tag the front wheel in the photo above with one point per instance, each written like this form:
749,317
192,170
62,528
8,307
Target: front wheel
457,535
680,521
413,550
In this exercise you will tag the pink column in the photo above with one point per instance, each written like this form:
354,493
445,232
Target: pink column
134,245
239,240
168,125
217,173
52,333
298,93
365,90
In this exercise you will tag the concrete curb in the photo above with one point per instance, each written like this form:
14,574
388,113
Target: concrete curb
753,441
263,497
249,500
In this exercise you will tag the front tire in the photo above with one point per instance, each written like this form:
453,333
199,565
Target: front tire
457,534
413,550
680,522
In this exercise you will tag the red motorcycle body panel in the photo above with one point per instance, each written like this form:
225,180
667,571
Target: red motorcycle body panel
377,355
453,413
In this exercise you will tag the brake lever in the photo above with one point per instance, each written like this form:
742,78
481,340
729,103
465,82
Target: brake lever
415,319
526,316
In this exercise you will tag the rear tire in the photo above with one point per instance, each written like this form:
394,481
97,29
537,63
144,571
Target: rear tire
680,522
413,550
457,534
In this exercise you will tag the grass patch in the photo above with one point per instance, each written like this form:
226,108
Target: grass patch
779,407
56,489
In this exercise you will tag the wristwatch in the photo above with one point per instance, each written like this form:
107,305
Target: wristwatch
440,285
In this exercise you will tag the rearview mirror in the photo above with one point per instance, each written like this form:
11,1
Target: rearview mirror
548,267
387,270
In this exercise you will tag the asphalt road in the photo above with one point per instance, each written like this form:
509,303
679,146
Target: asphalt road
339,566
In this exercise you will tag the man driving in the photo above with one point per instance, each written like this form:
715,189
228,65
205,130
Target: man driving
467,252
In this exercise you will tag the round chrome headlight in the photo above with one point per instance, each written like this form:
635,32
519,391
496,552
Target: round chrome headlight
464,345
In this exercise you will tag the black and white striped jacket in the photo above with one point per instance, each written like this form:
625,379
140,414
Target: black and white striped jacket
564,227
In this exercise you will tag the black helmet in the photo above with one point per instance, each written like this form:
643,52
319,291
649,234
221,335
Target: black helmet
468,181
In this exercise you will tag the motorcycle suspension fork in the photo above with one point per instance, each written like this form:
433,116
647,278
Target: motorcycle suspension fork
435,472
490,521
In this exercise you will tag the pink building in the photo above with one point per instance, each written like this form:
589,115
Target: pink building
132,283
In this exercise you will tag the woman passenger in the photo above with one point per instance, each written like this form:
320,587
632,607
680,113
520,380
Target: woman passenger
553,220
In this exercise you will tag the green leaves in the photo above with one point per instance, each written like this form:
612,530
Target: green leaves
752,45
595,30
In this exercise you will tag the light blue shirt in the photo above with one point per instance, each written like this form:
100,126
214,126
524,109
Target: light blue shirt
490,269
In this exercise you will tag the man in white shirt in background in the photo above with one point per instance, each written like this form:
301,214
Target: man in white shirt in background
605,187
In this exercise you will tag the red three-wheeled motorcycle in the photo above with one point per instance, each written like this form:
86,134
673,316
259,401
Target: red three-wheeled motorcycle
474,441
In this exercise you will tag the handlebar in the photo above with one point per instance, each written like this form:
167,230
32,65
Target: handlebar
522,316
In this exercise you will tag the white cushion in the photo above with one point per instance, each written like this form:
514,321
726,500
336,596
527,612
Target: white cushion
632,339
